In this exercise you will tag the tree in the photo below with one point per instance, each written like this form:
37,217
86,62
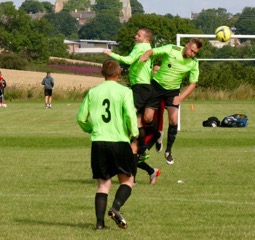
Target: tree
58,49
136,7
48,7
62,23
24,36
104,26
164,30
112,7
208,20
32,6
79,5
169,15
246,21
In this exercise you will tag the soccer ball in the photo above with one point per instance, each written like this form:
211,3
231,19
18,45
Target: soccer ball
223,33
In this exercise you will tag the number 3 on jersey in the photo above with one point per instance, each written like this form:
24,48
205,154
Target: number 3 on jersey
107,116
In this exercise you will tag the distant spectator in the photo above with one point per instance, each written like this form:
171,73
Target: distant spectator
48,83
2,87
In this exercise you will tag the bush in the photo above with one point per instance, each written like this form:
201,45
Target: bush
225,75
34,92
12,61
242,91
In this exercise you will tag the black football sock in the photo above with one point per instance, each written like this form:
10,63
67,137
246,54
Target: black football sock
146,167
141,137
121,196
154,129
100,207
172,132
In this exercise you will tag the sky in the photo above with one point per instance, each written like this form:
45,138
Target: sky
183,8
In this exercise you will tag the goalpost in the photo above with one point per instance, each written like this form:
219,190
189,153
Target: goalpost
210,36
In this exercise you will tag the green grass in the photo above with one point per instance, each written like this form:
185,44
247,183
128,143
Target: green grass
47,192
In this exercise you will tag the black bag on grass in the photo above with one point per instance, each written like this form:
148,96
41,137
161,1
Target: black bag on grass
211,122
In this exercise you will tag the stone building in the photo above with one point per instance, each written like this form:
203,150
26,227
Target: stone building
59,5
126,12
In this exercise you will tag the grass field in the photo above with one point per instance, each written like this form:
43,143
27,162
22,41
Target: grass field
47,192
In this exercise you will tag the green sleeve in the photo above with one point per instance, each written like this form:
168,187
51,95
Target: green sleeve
83,115
194,73
130,114
166,49
131,58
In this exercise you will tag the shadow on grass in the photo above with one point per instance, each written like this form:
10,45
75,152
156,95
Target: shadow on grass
85,181
61,224
80,181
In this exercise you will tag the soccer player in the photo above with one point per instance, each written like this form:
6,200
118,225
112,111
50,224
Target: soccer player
108,113
177,63
140,81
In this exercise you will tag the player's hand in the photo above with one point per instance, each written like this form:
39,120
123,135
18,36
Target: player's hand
177,100
144,58
107,51
146,55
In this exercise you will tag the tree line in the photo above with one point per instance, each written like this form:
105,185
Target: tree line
25,39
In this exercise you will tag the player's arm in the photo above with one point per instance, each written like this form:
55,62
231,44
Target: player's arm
83,115
193,78
178,99
131,58
146,55
107,52
130,115
158,51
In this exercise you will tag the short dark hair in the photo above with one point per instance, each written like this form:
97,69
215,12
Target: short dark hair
148,33
197,41
110,68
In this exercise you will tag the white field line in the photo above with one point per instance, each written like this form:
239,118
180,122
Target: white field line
209,201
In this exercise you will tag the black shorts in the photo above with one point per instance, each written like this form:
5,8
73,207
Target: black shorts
48,92
141,93
159,93
111,158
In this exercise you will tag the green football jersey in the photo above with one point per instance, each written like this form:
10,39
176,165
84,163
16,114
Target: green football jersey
175,67
108,113
139,72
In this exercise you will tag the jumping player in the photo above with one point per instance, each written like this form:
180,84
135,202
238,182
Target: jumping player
140,81
177,62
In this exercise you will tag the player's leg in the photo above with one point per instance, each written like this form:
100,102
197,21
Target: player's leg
46,97
122,158
121,196
46,101
124,190
152,172
1,98
152,105
101,196
171,133
50,98
100,162
160,117
149,121
141,93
